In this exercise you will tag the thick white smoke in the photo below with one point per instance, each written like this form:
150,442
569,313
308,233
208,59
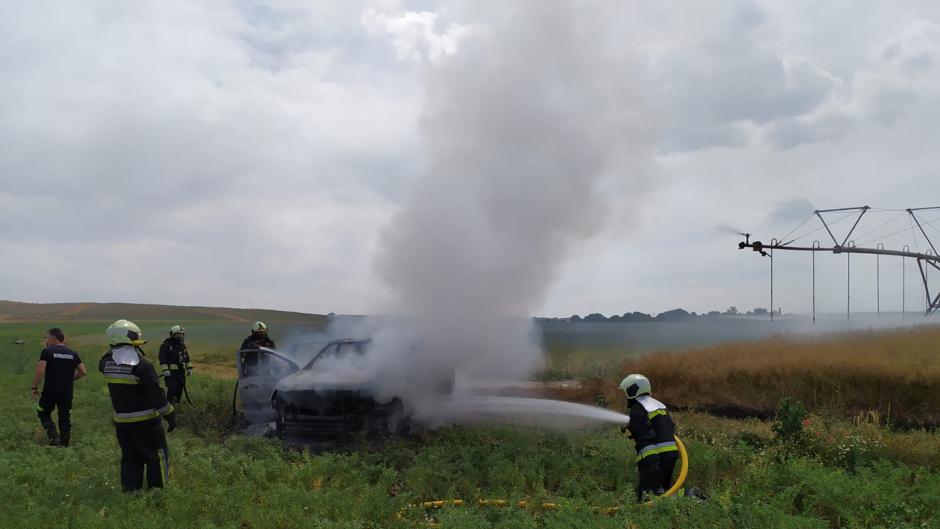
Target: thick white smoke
521,124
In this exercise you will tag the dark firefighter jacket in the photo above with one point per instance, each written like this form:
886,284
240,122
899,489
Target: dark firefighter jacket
256,340
651,427
174,358
136,395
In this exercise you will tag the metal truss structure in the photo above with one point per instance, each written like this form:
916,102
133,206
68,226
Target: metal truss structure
925,260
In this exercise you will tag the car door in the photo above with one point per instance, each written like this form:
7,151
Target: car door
259,371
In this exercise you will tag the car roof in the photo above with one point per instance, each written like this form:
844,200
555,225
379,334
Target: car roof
342,341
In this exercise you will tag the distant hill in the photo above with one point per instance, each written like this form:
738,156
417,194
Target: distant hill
14,311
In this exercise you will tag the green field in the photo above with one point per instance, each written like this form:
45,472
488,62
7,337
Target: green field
213,342
15,311
842,473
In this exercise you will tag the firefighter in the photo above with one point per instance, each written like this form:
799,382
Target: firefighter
175,364
258,337
58,368
653,434
138,403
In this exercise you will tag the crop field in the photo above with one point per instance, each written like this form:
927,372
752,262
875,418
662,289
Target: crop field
894,375
845,464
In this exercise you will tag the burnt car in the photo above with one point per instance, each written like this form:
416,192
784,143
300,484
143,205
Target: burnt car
333,394
259,370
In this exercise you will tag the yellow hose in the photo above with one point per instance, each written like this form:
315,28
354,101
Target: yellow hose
683,468
683,471
680,480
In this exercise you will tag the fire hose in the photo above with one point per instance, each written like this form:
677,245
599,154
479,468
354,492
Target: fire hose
683,469
547,506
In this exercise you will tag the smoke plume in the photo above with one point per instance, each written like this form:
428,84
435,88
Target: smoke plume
520,125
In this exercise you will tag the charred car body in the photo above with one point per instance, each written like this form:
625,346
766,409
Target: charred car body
325,398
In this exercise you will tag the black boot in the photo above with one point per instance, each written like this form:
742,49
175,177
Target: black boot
49,426
64,438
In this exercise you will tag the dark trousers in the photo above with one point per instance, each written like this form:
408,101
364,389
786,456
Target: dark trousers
49,401
655,474
143,445
650,478
667,465
174,386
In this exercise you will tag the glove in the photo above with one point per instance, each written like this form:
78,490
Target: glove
189,371
171,421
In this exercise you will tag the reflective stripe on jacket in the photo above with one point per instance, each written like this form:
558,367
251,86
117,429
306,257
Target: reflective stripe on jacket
651,427
142,415
136,395
173,357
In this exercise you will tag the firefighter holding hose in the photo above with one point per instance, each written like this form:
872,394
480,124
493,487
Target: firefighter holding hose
175,364
653,434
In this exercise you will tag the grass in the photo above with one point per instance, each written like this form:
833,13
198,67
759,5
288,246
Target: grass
852,472
13,311
568,362
212,342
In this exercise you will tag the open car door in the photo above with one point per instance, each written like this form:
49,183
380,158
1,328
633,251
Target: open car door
259,371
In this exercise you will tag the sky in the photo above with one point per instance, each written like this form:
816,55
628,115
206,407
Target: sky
266,154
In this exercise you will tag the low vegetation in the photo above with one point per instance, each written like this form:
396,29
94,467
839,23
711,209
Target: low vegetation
814,466
209,341
893,375
14,311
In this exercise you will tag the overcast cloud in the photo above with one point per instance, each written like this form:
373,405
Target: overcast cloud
245,154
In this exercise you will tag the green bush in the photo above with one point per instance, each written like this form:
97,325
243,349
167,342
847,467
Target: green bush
210,414
788,426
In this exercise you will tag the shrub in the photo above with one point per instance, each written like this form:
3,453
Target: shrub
788,427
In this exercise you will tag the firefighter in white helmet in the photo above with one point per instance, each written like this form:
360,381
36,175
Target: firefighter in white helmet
653,434
175,364
139,404
258,337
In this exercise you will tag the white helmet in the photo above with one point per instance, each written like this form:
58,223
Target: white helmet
177,329
635,385
259,326
125,332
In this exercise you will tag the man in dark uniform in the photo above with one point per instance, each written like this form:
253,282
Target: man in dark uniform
60,367
653,434
175,364
138,403
258,337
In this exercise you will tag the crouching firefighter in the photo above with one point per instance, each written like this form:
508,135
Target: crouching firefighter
175,364
138,403
653,434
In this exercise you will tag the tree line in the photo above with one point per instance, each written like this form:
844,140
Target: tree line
669,315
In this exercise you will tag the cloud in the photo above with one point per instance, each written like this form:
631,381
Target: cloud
901,71
246,153
413,33
716,85
210,134
791,211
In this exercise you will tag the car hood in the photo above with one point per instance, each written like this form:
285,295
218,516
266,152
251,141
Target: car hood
334,378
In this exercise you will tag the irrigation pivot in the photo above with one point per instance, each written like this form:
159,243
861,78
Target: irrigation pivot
848,245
